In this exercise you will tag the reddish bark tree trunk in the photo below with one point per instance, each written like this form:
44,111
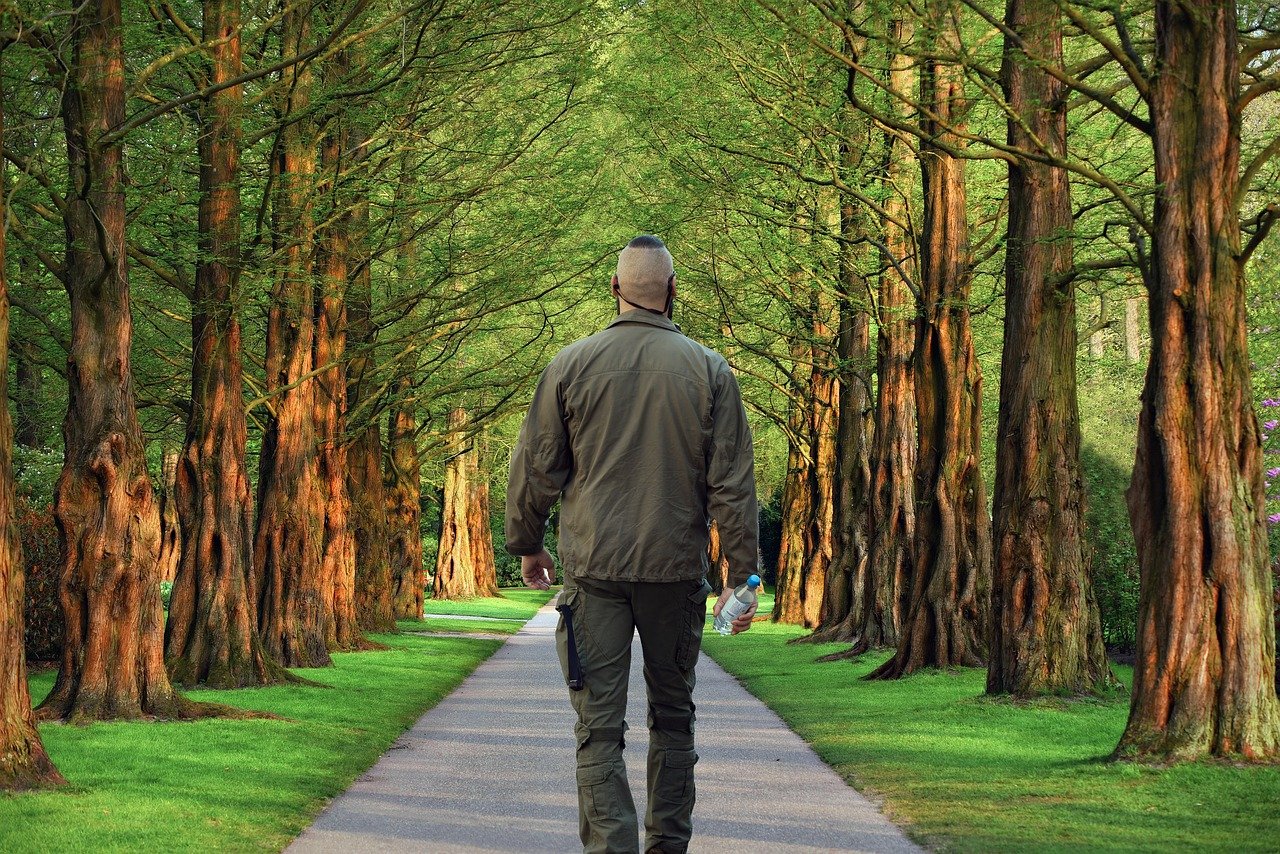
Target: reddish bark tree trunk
210,637
843,605
24,764
718,574
338,549
404,509
948,616
808,505
113,651
374,587
1046,631
170,525
465,563
286,581
1203,682
893,443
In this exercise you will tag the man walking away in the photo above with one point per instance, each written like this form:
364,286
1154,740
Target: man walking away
641,433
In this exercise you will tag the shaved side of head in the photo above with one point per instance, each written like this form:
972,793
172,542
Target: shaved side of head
645,269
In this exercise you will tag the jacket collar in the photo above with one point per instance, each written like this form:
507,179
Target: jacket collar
639,315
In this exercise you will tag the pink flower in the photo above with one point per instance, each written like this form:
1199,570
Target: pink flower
1274,518
1274,473
1270,425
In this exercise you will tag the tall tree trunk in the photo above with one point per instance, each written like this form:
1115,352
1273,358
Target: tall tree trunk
465,562
24,764
718,563
338,550
893,443
847,576
170,524
948,618
1046,632
374,586
1203,682
210,636
808,503
404,508
113,651
287,584
1132,330
29,378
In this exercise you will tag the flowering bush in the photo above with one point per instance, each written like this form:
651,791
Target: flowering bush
41,554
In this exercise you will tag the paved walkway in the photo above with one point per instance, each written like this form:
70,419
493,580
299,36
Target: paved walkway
491,769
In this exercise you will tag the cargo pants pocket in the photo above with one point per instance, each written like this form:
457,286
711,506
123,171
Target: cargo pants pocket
690,643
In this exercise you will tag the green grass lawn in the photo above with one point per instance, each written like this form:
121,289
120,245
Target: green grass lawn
233,785
512,603
445,624
965,773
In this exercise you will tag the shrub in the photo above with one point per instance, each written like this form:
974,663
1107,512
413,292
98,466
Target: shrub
41,554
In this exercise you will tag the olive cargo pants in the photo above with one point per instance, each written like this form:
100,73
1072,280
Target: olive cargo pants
670,617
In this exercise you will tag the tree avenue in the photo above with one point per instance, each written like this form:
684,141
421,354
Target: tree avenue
345,238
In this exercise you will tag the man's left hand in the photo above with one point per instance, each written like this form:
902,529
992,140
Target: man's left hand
744,621
538,570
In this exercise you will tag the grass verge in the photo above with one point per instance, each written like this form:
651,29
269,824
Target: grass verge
447,624
511,603
966,773
234,785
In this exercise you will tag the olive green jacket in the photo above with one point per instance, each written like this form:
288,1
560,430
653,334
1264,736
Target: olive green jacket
641,430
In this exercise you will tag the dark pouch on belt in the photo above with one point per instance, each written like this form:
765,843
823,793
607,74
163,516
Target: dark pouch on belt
574,680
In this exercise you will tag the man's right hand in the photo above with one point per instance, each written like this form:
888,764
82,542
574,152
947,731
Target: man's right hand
538,570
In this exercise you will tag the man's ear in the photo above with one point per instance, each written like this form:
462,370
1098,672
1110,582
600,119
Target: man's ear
613,283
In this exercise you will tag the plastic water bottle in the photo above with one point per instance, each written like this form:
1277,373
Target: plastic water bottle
741,600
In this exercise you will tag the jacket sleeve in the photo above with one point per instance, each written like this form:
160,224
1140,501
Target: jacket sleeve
731,480
540,466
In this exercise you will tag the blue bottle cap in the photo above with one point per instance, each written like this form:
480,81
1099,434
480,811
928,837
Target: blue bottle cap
753,582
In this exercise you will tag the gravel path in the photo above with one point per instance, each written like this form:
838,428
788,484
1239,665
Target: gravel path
491,769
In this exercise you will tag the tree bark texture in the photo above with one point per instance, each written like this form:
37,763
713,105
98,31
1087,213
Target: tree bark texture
211,636
847,580
287,584
1046,630
24,764
718,572
893,442
948,617
1132,330
465,563
113,655
375,609
338,548
29,378
1203,681
404,507
170,525
808,499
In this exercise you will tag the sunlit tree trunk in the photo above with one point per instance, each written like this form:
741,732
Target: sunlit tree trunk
170,524
338,549
210,637
718,563
404,510
1204,678
113,651
24,764
808,504
465,563
374,585
287,582
1046,632
847,577
948,617
893,443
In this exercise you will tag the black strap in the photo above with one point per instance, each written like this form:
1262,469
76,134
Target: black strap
575,680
